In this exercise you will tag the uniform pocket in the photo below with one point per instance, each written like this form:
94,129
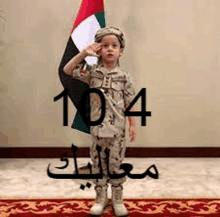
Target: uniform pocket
118,90
117,85
96,80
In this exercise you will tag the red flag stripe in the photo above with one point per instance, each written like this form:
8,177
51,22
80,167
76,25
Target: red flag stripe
87,8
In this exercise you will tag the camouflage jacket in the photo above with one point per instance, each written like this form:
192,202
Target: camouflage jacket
118,91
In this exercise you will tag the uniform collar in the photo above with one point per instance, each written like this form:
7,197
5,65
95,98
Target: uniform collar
104,71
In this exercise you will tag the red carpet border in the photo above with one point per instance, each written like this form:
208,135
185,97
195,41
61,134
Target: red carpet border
136,207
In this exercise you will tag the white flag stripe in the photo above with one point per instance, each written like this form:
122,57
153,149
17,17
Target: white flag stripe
91,60
84,34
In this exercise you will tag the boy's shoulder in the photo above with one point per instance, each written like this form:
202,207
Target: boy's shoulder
121,72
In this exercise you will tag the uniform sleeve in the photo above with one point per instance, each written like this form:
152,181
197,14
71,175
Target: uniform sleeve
129,92
82,75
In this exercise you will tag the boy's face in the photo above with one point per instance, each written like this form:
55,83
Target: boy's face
110,51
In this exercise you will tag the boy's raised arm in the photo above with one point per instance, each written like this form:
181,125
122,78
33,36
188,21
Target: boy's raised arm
90,50
69,67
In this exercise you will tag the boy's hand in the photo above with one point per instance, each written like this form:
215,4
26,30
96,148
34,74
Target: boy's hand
92,49
132,133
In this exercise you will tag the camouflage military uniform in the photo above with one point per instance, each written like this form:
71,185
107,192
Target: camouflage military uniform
118,92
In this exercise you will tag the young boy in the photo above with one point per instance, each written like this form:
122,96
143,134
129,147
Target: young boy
119,92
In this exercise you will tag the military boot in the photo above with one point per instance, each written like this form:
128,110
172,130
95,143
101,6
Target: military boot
117,201
101,201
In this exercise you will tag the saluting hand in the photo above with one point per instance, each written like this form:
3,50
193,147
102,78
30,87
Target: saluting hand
92,49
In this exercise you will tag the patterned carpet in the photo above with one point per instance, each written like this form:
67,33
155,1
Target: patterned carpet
136,207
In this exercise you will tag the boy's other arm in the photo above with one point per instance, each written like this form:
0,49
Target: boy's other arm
129,97
132,133
131,120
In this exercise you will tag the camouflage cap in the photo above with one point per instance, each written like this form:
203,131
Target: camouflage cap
109,31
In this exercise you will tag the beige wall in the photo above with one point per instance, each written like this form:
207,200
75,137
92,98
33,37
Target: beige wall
172,49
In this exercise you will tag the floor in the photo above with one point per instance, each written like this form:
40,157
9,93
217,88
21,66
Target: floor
178,178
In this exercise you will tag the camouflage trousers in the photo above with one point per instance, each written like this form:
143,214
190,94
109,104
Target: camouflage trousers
116,148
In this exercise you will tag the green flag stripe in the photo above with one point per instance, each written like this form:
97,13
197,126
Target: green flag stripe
101,18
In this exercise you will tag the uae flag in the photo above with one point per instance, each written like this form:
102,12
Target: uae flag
89,19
